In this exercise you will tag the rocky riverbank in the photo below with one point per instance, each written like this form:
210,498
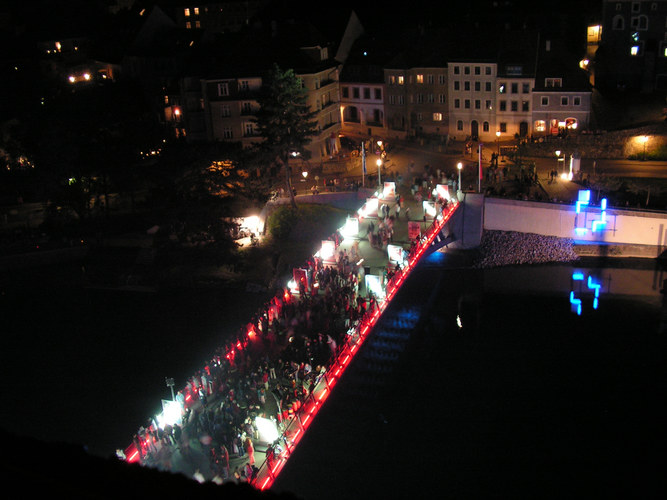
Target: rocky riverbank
506,248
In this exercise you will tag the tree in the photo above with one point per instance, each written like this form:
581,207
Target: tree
284,121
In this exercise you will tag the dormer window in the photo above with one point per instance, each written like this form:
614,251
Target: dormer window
553,82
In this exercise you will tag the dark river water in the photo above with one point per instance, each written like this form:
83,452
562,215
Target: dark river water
474,383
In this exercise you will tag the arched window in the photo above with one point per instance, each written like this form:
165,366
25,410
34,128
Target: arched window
618,23
485,126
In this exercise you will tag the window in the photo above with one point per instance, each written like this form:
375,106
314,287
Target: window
419,117
227,133
637,49
429,79
401,80
392,80
487,104
525,107
540,126
246,108
639,22
223,89
392,99
401,100
545,101
420,98
618,23
346,92
553,82
457,103
378,94
459,125
355,92
487,70
467,103
466,85
457,85
478,104
196,11
441,79
485,126
635,6
487,86
244,86
225,111
367,93
576,101
248,129
429,98
457,70
525,88
514,105
197,24
478,86
515,88
478,70
503,106
188,25
186,12
466,70
420,78
441,98
437,117
503,127
564,100
502,87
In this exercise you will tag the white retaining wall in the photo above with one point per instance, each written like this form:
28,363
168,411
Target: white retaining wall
629,227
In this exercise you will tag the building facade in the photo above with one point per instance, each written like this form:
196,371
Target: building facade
472,102
632,53
416,101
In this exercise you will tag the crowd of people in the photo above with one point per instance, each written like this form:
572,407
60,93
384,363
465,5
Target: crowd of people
268,370
503,248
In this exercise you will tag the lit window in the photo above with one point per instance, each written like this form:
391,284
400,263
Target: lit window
187,12
188,25
392,80
540,126
437,117
420,78
634,50
196,11
553,82
401,80
197,24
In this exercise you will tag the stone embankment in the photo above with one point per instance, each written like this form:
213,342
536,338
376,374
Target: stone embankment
506,248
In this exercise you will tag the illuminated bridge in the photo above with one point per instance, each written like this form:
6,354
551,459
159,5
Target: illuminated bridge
385,265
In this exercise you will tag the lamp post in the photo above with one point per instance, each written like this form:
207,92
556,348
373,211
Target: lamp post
170,384
644,139
557,152
379,164
459,166
498,142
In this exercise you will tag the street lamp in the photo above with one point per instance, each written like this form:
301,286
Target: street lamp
459,165
170,383
644,140
379,164
498,141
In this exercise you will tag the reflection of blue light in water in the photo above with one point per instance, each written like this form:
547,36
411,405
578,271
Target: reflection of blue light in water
591,284
575,302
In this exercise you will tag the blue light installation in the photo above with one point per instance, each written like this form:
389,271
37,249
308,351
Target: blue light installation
584,200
